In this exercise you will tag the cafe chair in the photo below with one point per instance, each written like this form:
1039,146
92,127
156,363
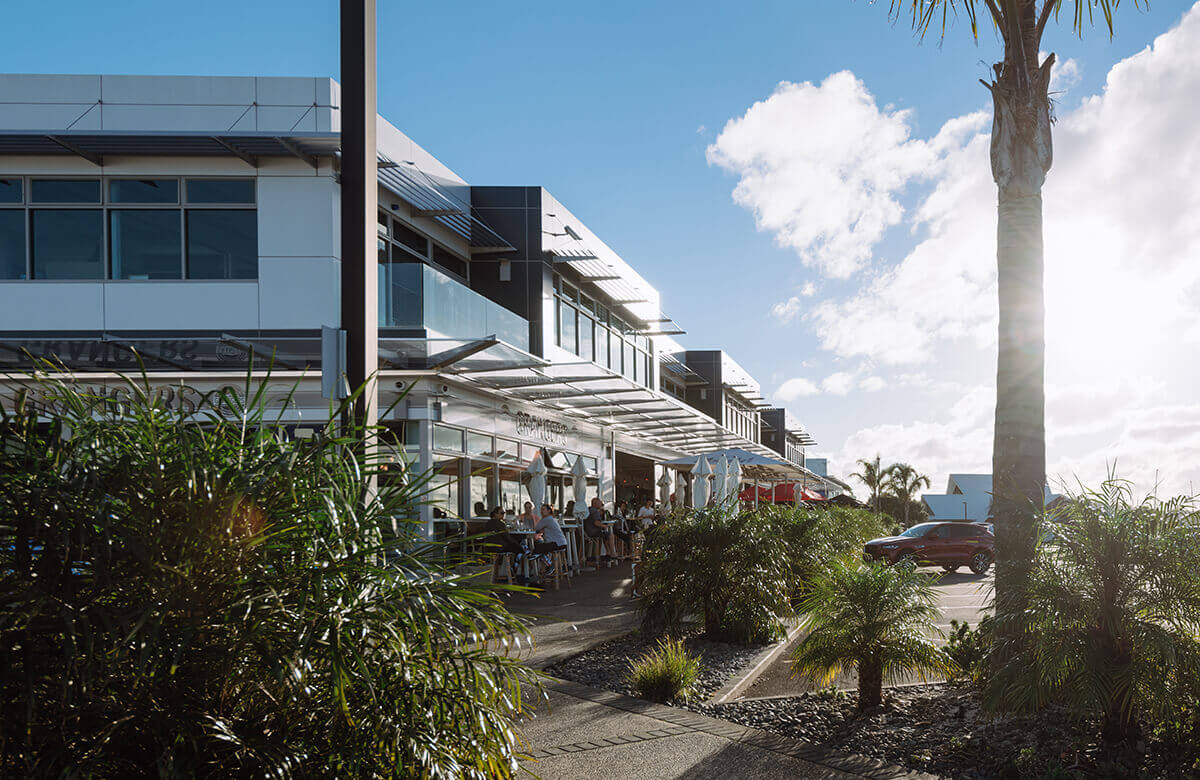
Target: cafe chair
502,566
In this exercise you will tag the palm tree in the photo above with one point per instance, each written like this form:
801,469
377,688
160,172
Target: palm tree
877,619
871,474
1113,607
903,482
1021,155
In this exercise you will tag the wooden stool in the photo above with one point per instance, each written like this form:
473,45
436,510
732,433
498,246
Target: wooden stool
502,567
558,559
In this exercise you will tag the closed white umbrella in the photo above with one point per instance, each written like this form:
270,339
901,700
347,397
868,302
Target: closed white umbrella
680,488
721,481
579,478
664,489
735,479
700,475
537,483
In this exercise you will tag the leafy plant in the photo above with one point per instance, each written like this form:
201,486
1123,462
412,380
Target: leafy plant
727,568
665,673
1113,613
904,482
968,648
874,618
817,536
193,592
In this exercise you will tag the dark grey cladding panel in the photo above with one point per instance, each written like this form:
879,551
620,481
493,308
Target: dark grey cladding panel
500,197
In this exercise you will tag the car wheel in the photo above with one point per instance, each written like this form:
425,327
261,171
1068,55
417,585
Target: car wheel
981,562
908,560
950,569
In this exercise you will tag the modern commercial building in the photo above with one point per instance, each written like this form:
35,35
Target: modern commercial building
968,497
191,224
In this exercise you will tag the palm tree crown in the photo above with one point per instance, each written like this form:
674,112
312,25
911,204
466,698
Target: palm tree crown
871,474
875,618
904,482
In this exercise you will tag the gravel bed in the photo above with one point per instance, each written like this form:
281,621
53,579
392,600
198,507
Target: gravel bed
941,729
607,665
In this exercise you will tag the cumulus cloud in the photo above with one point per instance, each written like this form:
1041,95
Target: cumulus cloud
787,310
808,290
838,383
873,384
794,388
827,189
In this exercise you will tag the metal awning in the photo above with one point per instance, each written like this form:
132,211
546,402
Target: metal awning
431,199
620,287
95,145
593,394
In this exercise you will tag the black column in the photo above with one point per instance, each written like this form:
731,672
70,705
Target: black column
360,301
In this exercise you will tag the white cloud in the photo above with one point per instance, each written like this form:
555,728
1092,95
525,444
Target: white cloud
873,384
1066,74
838,383
808,290
787,310
827,189
794,388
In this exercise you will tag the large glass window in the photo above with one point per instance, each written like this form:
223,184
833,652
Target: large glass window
143,191
447,438
68,243
480,444
222,244
11,191
12,243
410,238
220,190
585,337
66,191
145,244
567,325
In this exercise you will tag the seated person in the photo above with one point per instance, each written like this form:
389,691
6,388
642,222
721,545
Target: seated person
646,515
501,538
548,535
594,529
527,517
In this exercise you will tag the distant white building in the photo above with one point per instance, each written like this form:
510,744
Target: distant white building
968,497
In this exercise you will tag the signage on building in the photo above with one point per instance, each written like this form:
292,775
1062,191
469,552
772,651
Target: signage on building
541,428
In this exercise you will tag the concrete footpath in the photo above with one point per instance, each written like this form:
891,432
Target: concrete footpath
584,732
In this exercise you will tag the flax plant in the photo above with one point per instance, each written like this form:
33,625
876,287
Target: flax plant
188,591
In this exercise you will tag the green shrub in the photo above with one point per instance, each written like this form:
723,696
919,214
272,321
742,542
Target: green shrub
728,569
877,619
968,648
816,537
193,593
1113,612
665,673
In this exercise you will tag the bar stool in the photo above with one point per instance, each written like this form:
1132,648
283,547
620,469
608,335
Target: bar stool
558,560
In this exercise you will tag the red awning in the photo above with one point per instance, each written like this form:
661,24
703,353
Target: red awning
782,493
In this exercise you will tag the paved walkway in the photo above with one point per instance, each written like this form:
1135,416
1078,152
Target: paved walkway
584,732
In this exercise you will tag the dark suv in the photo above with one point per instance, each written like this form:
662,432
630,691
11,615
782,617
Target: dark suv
948,545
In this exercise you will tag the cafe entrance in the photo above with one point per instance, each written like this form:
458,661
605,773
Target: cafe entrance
634,478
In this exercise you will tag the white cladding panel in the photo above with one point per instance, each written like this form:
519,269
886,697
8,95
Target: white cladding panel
51,306
296,216
192,305
298,292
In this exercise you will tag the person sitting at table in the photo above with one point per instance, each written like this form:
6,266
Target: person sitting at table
594,528
501,540
548,536
569,513
480,509
528,518
646,515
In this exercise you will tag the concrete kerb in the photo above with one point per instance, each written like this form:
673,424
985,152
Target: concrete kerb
734,687
682,721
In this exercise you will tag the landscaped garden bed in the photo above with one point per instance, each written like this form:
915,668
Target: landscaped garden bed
607,665
942,729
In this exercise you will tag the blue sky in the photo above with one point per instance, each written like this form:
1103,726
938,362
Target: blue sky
612,108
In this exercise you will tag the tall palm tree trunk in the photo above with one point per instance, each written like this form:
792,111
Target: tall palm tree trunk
1021,155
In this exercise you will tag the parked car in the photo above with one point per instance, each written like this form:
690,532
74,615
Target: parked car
949,545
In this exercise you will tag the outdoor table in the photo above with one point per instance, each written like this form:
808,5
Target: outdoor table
527,540
570,529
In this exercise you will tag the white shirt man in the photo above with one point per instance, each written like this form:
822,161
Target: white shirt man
646,514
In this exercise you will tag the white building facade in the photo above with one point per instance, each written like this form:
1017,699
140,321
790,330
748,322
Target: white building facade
192,224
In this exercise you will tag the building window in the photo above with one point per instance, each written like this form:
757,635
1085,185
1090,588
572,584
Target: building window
450,261
222,244
122,228
66,191
410,239
11,191
447,438
68,244
220,191
149,191
12,243
145,244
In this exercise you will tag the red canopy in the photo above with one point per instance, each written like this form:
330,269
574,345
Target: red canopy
783,493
